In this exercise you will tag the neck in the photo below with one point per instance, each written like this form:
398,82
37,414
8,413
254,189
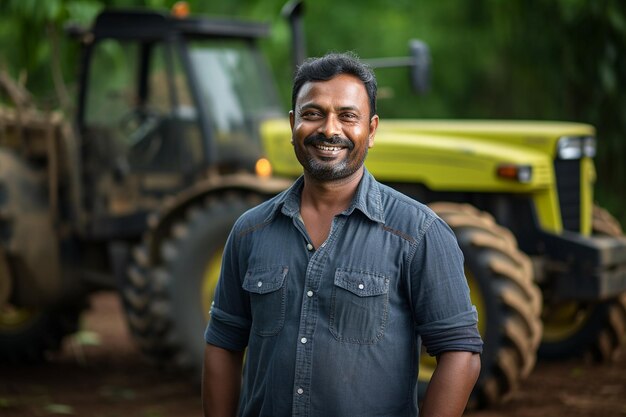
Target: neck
334,196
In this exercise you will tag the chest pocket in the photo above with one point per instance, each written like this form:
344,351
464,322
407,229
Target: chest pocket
359,306
266,287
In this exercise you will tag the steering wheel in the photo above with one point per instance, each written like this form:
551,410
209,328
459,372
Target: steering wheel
138,125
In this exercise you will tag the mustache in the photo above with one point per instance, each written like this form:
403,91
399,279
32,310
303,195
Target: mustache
321,139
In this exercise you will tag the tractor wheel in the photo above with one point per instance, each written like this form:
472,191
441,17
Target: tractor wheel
168,304
508,302
596,331
25,335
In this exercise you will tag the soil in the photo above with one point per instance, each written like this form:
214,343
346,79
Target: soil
100,373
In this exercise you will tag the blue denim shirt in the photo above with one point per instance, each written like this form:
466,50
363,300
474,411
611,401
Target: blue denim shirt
335,331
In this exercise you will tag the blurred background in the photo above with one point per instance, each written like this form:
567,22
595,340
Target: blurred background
516,59
491,59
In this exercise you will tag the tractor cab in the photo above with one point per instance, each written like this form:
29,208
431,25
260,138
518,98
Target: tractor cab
163,102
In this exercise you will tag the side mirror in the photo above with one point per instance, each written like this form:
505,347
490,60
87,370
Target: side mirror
418,62
420,66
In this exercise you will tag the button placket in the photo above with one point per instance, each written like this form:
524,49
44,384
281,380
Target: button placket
308,320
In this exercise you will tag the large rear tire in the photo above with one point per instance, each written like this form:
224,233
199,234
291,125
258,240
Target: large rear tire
508,302
28,254
168,303
596,331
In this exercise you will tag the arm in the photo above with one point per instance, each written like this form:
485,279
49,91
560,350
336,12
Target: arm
451,384
221,381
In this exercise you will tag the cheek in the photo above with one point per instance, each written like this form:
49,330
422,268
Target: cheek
360,134
296,135
301,130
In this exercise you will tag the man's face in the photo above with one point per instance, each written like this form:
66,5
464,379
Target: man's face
331,128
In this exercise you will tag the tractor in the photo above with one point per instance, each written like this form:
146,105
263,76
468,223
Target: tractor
179,130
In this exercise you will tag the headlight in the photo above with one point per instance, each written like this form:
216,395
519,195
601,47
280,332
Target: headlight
575,147
589,146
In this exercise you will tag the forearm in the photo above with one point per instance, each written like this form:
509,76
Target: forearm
221,381
451,384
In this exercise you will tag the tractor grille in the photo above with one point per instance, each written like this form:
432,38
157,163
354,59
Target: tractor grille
568,186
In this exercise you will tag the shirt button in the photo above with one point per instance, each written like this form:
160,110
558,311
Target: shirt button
259,284
361,286
300,391
309,293
303,340
309,246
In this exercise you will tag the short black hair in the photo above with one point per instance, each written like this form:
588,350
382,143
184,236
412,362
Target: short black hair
333,64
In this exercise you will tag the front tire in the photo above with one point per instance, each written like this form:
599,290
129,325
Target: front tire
508,302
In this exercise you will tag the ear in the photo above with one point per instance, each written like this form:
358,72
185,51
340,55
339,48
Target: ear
373,127
291,123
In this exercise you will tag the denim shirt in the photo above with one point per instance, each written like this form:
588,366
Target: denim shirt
337,330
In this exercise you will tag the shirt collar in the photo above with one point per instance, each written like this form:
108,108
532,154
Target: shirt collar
367,199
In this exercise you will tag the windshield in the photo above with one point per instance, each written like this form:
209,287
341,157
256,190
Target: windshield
238,93
139,111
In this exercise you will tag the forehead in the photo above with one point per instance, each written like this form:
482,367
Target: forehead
344,89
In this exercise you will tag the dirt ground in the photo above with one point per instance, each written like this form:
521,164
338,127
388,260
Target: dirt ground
100,373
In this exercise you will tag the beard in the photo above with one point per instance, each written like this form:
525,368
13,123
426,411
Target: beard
330,169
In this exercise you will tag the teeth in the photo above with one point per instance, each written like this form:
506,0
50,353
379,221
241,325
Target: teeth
328,148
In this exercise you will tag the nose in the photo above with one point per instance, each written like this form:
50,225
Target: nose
331,126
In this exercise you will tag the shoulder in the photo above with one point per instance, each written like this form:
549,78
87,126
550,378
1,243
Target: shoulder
261,214
403,212
395,200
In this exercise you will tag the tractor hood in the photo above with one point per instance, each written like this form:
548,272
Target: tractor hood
448,154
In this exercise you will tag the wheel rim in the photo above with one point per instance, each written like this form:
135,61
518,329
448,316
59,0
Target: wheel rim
429,363
564,321
476,296
209,281
12,318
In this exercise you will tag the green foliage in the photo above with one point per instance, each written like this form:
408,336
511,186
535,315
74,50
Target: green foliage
536,59
31,44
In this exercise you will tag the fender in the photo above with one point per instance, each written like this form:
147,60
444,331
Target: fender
160,222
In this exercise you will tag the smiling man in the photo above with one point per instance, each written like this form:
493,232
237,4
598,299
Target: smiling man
334,128
332,285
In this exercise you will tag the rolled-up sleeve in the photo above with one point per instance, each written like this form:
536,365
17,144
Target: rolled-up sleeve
445,318
227,331
454,333
230,322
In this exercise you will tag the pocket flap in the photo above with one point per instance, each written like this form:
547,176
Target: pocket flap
265,280
363,284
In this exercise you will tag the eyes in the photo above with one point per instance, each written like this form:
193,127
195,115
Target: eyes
315,114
